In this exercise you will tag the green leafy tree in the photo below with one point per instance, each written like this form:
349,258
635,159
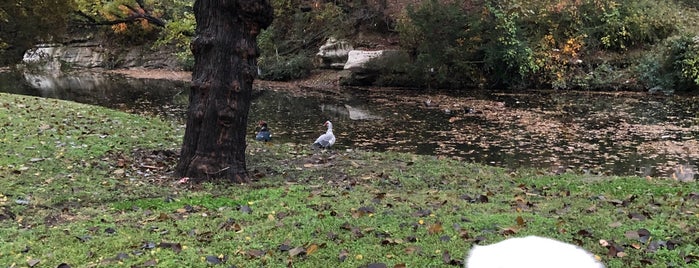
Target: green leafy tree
179,30
443,43
508,58
682,62
24,23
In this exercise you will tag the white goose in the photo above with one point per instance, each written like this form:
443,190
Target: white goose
326,140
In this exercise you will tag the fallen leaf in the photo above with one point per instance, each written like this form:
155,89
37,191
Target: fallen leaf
508,231
33,262
150,263
121,256
297,251
343,255
176,247
312,248
422,213
148,245
444,238
245,209
615,224
256,253
213,259
435,228
413,250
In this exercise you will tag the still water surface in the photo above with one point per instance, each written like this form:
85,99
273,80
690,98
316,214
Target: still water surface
597,133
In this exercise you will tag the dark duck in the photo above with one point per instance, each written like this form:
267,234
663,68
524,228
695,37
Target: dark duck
263,134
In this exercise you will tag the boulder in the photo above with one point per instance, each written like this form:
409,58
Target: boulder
363,74
94,55
357,59
333,54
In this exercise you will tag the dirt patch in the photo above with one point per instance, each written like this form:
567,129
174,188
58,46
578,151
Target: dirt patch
323,80
142,73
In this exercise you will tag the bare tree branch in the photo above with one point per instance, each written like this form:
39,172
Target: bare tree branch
136,15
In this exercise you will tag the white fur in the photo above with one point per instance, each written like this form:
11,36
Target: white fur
530,252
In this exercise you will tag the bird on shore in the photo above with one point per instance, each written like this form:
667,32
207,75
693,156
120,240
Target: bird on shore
263,134
326,140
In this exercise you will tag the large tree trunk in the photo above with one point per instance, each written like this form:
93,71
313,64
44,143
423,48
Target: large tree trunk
225,54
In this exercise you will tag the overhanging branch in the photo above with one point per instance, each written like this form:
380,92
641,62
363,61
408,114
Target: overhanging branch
134,16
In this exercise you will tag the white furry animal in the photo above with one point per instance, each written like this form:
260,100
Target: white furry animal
530,252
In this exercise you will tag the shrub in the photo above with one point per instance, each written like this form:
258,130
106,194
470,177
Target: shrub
285,68
683,62
630,23
651,72
440,38
508,58
396,69
675,68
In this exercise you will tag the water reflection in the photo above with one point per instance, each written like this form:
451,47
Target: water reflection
609,133
142,96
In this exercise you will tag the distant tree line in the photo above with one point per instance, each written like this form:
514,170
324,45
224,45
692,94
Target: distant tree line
515,44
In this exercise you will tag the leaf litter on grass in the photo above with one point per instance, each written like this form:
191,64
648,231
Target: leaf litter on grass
349,208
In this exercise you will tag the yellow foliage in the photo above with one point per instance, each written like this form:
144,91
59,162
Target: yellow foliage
146,25
124,9
119,28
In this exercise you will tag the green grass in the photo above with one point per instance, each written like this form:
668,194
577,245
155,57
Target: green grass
100,194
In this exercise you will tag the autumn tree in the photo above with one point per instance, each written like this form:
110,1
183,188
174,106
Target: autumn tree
225,54
24,23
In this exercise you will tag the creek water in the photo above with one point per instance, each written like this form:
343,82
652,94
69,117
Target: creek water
611,133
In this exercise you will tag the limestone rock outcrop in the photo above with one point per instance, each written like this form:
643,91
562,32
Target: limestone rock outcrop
333,54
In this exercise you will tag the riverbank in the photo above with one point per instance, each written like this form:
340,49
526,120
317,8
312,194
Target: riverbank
90,186
563,131
318,80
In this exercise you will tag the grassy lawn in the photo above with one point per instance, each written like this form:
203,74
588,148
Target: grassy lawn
91,187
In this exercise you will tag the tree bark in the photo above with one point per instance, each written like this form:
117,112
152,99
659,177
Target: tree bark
225,65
